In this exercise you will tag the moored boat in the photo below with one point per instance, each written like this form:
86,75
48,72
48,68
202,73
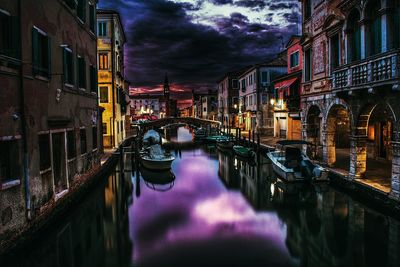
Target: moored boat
291,164
225,144
243,151
154,158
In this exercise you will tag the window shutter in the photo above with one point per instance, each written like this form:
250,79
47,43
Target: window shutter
65,68
15,37
48,56
84,10
35,50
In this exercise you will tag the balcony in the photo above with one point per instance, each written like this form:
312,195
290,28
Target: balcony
374,71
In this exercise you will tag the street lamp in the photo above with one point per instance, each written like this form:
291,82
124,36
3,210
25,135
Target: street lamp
272,101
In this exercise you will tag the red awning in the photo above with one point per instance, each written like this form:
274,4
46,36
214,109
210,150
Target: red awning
284,86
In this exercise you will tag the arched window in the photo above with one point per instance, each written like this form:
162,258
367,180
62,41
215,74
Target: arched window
396,25
374,27
354,36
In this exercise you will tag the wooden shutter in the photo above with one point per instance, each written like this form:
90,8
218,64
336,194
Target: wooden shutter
35,50
48,39
65,67
15,37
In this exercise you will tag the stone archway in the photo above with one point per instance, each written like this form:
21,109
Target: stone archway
337,136
371,144
312,130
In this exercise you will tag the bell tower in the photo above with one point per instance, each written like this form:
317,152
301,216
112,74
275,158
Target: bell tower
166,95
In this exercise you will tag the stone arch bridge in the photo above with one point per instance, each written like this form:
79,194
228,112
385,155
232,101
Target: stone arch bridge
187,120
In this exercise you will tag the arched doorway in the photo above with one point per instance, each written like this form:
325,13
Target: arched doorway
374,145
314,118
337,146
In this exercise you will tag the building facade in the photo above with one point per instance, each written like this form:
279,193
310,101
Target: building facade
286,104
147,105
255,109
205,105
112,88
351,84
228,99
49,111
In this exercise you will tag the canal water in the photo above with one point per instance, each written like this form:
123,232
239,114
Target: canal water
213,209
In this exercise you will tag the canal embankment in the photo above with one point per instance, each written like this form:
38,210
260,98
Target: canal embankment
54,210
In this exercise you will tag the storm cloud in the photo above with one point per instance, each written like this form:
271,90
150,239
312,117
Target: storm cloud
196,46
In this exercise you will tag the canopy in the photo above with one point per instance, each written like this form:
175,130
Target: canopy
284,86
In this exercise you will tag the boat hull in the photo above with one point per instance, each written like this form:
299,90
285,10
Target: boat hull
157,165
246,154
289,175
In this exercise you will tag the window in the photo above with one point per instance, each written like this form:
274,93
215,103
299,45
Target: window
41,51
307,65
354,36
92,18
205,109
93,79
235,84
103,61
243,85
94,137
104,128
102,29
9,35
81,10
374,27
81,72
44,152
294,59
68,66
396,28
264,76
307,9
71,145
9,161
335,51
71,3
103,94
82,134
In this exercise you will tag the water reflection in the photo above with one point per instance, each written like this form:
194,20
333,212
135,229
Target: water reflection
220,210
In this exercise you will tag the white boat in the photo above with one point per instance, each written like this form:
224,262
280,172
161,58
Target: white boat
155,158
292,165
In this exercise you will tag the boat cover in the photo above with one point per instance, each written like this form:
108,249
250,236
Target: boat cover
151,137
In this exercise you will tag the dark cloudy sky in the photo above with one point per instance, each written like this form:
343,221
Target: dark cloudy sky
197,41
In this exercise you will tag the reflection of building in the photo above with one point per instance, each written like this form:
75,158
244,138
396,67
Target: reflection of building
112,87
255,112
228,99
49,130
287,123
350,82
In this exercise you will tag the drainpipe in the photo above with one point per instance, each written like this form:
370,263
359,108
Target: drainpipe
113,83
23,123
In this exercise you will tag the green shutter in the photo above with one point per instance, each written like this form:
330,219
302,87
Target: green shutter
35,50
48,39
15,37
65,67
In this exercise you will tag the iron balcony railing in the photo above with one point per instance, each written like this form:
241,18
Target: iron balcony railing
374,70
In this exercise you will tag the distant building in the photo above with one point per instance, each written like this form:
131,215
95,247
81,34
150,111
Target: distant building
112,88
228,99
256,112
49,114
206,105
147,104
286,104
